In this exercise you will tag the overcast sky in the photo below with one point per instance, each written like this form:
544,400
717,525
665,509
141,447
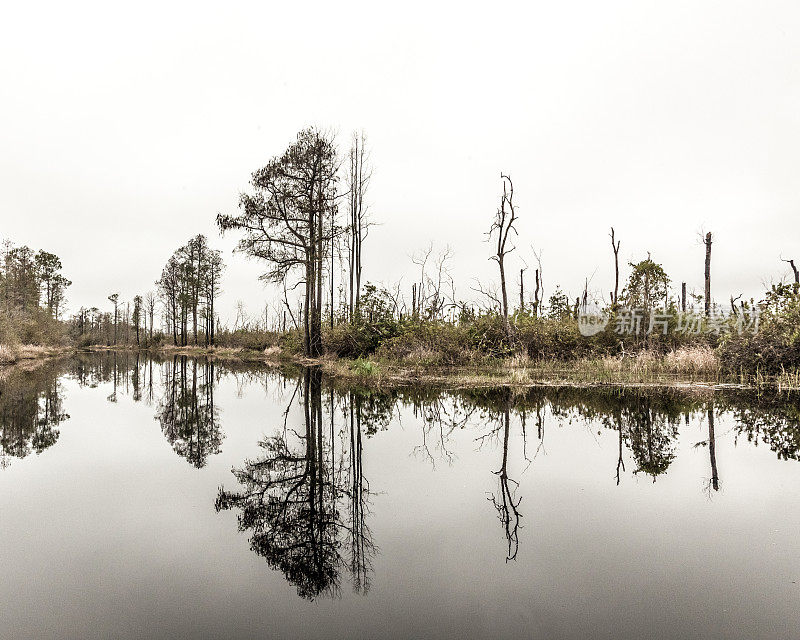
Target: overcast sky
124,129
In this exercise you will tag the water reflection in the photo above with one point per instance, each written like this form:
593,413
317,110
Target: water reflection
31,406
291,500
303,498
508,504
186,411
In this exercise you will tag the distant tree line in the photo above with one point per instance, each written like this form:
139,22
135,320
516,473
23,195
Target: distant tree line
186,296
188,288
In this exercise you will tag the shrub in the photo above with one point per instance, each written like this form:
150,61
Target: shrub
775,347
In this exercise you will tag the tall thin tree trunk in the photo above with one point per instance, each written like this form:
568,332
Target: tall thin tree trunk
615,248
707,242
712,449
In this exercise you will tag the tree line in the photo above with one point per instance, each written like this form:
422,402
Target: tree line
33,293
306,219
186,294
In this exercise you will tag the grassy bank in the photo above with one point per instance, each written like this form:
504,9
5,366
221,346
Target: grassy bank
379,348
13,354
683,367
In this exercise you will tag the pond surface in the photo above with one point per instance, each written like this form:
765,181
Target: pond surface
189,499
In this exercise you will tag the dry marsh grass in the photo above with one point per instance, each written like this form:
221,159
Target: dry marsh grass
10,354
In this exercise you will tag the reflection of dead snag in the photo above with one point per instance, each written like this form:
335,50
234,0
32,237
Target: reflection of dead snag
361,547
620,461
712,450
507,505
436,415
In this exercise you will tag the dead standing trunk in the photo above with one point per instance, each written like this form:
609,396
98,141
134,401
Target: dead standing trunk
796,274
503,224
615,248
707,242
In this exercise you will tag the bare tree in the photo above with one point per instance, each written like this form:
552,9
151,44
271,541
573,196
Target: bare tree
150,306
615,248
707,242
796,274
503,224
429,295
358,179
114,298
538,291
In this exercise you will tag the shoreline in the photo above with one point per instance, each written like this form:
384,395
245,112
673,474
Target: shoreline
512,372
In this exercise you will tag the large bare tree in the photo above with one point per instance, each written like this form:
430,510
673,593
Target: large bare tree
502,225
289,219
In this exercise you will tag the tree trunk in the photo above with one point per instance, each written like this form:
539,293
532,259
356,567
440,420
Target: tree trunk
504,297
615,247
712,450
707,242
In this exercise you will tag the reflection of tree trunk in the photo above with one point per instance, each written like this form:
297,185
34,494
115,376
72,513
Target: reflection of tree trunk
359,534
507,506
292,504
620,461
712,449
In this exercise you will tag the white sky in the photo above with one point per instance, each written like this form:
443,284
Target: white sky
124,130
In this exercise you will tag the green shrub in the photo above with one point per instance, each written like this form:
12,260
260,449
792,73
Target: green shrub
775,347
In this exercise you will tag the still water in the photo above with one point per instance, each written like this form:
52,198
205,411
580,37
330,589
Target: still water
190,499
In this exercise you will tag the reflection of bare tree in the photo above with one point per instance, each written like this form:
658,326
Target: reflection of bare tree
112,397
498,414
712,449
507,505
360,546
617,419
290,503
186,411
441,417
